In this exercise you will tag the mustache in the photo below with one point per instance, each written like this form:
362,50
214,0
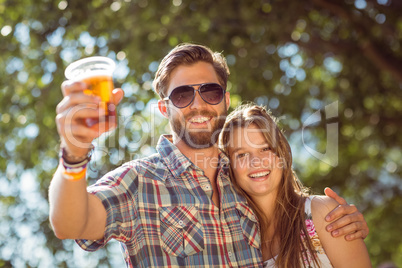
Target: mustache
201,113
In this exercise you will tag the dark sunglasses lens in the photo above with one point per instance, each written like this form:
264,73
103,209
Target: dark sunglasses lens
212,93
182,96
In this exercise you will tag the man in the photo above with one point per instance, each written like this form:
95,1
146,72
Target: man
176,208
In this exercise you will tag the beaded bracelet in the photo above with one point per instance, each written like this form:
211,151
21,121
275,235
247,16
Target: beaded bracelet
73,160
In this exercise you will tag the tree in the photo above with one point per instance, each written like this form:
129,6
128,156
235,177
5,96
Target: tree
295,57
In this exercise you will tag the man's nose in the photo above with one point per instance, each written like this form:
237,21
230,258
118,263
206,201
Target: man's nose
198,101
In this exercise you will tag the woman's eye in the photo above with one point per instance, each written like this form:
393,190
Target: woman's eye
241,155
266,149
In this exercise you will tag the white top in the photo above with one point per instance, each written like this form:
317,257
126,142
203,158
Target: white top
317,247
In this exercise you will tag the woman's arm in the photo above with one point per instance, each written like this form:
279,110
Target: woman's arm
340,252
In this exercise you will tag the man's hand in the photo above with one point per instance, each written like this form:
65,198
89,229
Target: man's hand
348,220
74,115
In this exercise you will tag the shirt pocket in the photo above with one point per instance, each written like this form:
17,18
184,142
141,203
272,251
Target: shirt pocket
181,232
249,225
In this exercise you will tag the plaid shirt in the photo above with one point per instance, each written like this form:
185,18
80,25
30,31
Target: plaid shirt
160,209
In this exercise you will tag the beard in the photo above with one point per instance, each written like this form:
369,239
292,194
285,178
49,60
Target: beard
199,138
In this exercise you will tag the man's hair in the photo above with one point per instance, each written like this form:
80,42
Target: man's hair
188,54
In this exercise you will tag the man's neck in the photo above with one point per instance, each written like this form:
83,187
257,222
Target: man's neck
206,159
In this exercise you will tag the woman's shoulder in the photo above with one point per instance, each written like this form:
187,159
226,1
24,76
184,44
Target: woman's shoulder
321,205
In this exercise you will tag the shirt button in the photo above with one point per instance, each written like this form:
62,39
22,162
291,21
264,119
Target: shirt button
181,223
230,254
207,187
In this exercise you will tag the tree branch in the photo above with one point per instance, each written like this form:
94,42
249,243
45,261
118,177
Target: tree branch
374,54
370,50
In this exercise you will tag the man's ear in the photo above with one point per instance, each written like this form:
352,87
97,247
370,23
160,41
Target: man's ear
162,108
227,99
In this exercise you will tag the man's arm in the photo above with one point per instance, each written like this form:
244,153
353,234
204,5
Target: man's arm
349,221
74,213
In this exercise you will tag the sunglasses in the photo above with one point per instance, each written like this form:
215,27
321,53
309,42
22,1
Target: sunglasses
183,96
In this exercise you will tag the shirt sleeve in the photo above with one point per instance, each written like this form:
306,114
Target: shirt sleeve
118,191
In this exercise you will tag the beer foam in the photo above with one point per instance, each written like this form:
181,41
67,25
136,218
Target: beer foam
90,73
90,67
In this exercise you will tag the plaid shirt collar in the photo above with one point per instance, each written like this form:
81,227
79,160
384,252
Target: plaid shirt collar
178,162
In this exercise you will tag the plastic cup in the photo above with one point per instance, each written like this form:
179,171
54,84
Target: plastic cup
97,74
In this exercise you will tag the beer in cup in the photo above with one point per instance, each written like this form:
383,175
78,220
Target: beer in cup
97,74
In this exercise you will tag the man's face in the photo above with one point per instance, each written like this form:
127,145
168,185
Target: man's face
199,124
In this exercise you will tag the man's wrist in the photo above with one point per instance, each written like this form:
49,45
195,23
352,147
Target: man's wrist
71,159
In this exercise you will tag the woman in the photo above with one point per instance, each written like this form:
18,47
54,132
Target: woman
291,222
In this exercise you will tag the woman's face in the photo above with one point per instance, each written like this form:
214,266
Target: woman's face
256,168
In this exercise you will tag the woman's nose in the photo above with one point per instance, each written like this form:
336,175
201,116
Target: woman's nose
261,162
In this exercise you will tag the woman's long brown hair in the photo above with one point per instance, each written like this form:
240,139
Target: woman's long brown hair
288,218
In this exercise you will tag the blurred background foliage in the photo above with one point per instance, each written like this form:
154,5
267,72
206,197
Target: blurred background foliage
296,57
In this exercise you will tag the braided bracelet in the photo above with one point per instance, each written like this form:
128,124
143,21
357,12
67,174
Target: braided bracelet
74,171
72,176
